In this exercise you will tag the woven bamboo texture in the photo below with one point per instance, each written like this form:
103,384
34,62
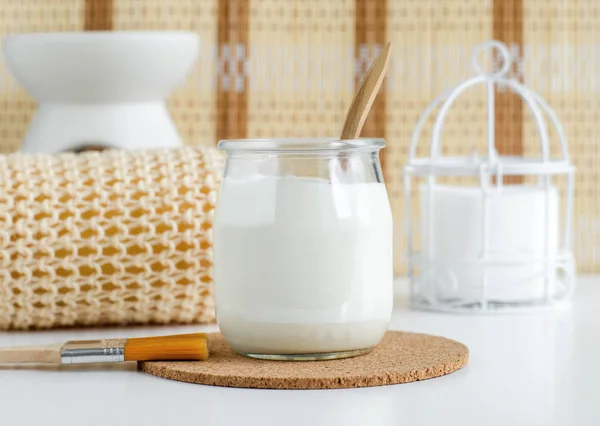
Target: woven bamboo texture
289,68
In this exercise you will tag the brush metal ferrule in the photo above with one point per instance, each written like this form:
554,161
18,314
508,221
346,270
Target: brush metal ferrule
91,351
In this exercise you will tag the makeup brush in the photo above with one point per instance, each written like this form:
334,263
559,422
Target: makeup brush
178,347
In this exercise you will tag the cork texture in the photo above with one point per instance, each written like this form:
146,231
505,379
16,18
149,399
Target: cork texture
400,358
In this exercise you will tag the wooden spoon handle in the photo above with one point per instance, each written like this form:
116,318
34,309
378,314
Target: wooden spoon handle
363,100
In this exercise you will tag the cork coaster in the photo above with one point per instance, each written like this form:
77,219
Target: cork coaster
399,358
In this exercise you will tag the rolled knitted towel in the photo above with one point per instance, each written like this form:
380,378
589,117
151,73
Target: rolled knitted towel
111,237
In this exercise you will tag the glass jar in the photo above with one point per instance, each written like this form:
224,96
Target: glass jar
303,248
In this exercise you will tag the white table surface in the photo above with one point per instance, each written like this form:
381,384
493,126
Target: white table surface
534,369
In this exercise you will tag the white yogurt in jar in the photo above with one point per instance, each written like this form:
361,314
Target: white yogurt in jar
302,265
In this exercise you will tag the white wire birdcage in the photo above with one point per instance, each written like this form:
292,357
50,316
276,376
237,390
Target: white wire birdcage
490,247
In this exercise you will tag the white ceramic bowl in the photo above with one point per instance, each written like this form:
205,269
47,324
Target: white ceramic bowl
100,88
100,66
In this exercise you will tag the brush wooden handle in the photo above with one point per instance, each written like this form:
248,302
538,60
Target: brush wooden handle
365,96
49,354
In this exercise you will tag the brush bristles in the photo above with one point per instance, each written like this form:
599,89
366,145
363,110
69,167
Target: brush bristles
178,347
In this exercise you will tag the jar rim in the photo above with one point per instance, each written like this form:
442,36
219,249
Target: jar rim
301,144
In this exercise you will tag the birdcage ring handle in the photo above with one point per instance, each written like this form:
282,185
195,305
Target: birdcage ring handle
505,58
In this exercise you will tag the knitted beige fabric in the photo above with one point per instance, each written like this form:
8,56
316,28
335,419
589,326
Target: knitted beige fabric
107,238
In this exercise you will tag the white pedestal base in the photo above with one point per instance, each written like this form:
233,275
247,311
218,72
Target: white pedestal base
59,127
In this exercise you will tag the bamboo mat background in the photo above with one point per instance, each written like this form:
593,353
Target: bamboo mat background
272,68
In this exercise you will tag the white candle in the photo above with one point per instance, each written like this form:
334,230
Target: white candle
453,241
